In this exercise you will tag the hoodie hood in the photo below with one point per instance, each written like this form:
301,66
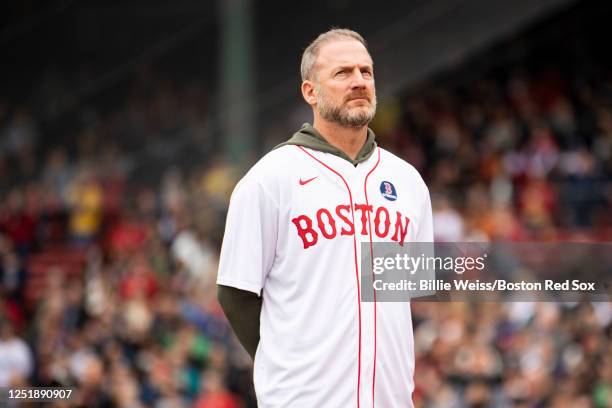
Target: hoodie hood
309,137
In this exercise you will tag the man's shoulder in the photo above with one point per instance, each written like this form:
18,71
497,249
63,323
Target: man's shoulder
274,170
274,163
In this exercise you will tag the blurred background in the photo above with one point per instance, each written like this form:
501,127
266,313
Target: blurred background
124,127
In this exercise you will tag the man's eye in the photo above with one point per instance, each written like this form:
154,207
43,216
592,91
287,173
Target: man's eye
366,73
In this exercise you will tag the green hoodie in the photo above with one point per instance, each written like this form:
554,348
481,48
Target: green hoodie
309,137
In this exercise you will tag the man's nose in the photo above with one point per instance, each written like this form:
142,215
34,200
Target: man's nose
357,80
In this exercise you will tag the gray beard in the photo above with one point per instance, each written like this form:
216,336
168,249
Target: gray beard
343,116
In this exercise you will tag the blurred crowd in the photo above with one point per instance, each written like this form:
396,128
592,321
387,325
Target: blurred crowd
513,355
518,156
521,156
107,283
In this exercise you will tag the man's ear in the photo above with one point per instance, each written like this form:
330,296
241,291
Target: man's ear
309,92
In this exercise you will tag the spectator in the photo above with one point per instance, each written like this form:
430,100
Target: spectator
85,198
16,361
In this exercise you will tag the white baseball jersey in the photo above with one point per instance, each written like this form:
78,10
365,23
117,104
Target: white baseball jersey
294,228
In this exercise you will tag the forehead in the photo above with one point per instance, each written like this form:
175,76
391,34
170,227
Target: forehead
342,52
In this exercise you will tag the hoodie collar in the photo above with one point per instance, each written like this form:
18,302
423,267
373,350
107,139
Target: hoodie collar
309,137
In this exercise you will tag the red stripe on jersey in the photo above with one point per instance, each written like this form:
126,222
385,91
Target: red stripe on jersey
365,190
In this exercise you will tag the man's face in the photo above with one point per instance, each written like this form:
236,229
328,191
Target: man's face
344,83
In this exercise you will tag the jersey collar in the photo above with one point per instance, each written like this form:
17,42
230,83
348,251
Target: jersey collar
309,137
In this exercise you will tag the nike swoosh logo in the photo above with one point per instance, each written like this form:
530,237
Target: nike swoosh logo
302,182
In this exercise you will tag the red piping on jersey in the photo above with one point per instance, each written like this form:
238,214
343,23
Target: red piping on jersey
365,190
356,264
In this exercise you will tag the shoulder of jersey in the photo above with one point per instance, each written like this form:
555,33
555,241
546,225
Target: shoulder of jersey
275,171
400,165
277,164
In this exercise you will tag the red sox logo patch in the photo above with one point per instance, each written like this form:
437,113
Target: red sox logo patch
388,191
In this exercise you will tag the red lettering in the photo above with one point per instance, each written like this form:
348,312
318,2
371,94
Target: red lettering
377,222
330,220
364,220
400,229
305,230
344,218
326,224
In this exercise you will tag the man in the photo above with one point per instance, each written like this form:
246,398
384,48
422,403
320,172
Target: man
289,268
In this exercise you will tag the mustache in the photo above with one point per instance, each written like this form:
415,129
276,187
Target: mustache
359,95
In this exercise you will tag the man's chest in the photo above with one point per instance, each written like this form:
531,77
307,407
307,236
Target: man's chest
324,206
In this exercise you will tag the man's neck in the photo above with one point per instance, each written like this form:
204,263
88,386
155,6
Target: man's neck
349,140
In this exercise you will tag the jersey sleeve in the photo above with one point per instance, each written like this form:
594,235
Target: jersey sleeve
425,229
425,239
249,242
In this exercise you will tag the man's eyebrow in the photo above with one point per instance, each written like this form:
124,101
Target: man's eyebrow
368,66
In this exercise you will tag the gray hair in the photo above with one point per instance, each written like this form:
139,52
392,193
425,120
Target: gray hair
309,57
